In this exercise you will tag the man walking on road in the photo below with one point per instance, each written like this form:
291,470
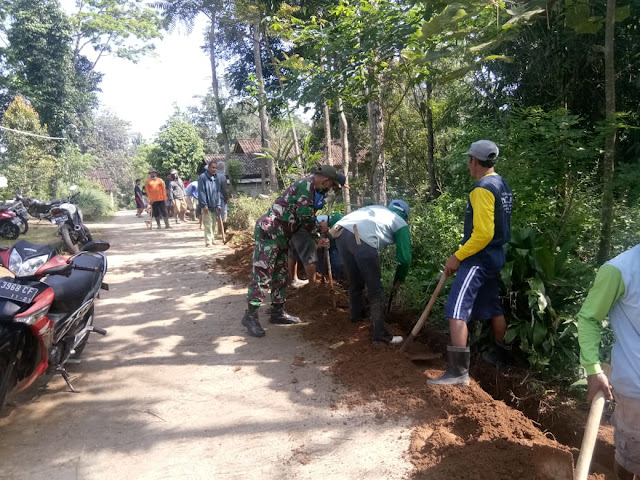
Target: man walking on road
359,237
177,192
616,292
157,194
210,199
475,291
290,212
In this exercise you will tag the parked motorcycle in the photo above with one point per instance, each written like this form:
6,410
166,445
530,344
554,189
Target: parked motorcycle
16,206
68,217
46,311
9,225
40,210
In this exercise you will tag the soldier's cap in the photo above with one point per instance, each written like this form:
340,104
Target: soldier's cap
173,171
331,173
484,150
153,170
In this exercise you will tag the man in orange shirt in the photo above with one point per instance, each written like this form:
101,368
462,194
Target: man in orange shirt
157,194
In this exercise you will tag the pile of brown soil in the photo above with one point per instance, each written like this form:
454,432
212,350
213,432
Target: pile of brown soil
460,432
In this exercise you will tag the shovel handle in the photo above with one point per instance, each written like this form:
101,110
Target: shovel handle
425,313
590,436
221,225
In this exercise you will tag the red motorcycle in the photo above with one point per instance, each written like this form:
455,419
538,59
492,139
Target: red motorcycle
10,225
46,310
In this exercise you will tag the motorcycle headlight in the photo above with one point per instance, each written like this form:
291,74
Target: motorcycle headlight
25,268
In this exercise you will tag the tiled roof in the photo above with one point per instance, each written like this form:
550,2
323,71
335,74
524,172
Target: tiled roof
247,145
102,177
251,167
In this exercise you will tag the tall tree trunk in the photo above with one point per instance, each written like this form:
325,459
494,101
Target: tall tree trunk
262,107
376,126
216,88
344,138
327,132
278,71
430,145
604,250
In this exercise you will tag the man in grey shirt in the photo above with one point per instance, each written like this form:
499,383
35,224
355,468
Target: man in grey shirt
177,192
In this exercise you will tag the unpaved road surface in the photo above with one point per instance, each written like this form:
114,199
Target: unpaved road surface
178,390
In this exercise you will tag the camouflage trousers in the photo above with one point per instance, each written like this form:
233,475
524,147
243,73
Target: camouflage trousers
269,268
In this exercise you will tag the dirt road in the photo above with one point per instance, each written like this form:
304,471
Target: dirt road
178,390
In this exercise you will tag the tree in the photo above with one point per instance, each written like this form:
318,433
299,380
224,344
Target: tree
27,161
122,28
186,11
178,146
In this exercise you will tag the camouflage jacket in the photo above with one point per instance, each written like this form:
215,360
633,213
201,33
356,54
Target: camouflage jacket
292,210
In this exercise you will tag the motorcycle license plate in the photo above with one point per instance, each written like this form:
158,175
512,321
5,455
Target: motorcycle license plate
16,221
17,292
59,220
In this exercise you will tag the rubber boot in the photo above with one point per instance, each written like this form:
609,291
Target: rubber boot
500,356
379,332
457,372
280,317
250,320
158,221
166,222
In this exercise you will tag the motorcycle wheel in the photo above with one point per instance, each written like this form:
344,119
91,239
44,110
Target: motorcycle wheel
66,239
88,320
9,231
25,225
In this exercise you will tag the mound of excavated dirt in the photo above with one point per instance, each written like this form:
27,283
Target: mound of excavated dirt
460,432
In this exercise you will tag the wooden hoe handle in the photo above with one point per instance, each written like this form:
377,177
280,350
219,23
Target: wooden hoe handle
423,318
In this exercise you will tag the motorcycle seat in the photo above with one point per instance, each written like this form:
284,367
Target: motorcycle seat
72,291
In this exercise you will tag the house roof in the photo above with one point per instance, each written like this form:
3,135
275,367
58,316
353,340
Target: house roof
103,178
248,145
250,165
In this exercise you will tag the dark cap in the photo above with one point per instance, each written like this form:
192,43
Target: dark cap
332,174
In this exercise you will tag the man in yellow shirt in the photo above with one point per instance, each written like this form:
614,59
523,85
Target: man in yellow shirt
475,291
157,193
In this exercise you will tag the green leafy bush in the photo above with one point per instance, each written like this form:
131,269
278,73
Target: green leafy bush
244,211
94,204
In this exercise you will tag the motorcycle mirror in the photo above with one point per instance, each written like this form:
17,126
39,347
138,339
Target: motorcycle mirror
96,246
73,188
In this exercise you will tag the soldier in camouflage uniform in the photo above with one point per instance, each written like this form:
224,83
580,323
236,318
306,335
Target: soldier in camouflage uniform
291,211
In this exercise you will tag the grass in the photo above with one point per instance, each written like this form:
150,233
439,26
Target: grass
40,233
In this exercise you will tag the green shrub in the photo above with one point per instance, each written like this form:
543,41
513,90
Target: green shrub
245,211
94,204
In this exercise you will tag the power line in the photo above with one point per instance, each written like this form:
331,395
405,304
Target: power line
30,134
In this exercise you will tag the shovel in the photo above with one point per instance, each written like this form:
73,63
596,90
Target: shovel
221,226
331,290
425,314
555,464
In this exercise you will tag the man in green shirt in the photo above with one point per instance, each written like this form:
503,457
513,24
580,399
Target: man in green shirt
616,293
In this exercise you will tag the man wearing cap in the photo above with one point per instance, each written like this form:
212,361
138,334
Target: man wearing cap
157,194
478,261
176,186
290,212
359,237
